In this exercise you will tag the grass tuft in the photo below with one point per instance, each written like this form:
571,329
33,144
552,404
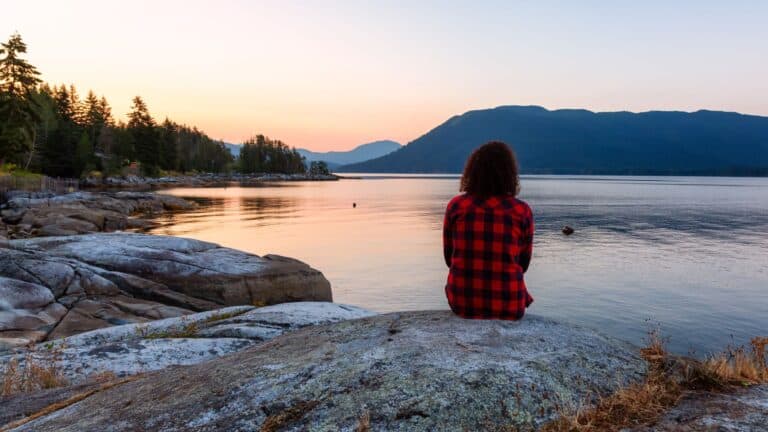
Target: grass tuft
666,381
34,373
187,330
222,316
364,422
740,367
281,420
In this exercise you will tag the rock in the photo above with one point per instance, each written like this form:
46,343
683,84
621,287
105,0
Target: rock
87,314
125,350
191,267
15,294
406,371
111,279
743,410
12,216
85,212
22,405
567,230
135,348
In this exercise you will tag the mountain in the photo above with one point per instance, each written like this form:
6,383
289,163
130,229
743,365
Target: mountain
574,141
360,153
233,148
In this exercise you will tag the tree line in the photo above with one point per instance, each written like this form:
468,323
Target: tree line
52,130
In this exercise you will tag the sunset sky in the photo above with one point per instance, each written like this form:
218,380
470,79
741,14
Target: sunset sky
330,75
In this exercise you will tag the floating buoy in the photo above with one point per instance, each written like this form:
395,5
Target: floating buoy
354,205
567,230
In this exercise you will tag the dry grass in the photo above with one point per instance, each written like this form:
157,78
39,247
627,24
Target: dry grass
63,404
667,379
364,422
32,374
102,377
740,367
278,421
218,316
185,331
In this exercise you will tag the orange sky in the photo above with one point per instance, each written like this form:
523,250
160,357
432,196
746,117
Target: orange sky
330,75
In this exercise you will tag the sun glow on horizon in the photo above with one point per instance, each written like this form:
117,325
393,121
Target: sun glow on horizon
330,76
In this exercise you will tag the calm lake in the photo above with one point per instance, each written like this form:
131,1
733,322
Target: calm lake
688,254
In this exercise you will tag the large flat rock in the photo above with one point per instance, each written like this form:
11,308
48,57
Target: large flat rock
414,371
54,287
133,349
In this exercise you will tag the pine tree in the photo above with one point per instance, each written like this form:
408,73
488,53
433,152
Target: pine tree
18,110
169,132
59,151
97,116
146,142
77,106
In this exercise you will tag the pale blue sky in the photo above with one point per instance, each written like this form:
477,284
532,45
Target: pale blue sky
329,75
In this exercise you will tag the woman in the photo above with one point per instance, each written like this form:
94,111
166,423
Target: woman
488,238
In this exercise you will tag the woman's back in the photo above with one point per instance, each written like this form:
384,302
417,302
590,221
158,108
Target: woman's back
488,238
487,244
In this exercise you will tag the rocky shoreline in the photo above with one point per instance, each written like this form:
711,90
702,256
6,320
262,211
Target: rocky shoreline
54,287
160,333
27,215
198,180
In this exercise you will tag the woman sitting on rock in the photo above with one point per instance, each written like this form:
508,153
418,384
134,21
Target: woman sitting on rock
488,238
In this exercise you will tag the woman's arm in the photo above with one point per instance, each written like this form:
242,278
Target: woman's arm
527,243
447,237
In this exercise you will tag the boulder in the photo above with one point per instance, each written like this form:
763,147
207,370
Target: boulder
741,410
191,267
111,279
414,371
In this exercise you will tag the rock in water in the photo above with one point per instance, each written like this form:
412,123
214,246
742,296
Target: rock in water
411,371
100,280
567,230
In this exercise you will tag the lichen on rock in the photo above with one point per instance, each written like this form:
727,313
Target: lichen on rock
54,287
405,371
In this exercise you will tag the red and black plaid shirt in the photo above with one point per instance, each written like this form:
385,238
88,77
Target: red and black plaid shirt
487,244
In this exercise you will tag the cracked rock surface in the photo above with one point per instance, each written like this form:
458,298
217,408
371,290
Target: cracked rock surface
133,349
53,287
408,371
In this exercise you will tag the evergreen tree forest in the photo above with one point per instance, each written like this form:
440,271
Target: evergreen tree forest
261,154
53,130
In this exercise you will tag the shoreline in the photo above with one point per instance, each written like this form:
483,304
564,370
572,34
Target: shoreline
132,182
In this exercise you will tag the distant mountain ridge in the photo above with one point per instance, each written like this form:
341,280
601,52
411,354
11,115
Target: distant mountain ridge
575,141
233,148
360,153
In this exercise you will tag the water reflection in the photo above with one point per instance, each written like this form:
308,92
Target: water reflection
689,253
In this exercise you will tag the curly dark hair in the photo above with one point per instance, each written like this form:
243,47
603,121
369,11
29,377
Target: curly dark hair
491,170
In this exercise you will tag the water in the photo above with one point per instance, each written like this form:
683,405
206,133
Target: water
687,254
